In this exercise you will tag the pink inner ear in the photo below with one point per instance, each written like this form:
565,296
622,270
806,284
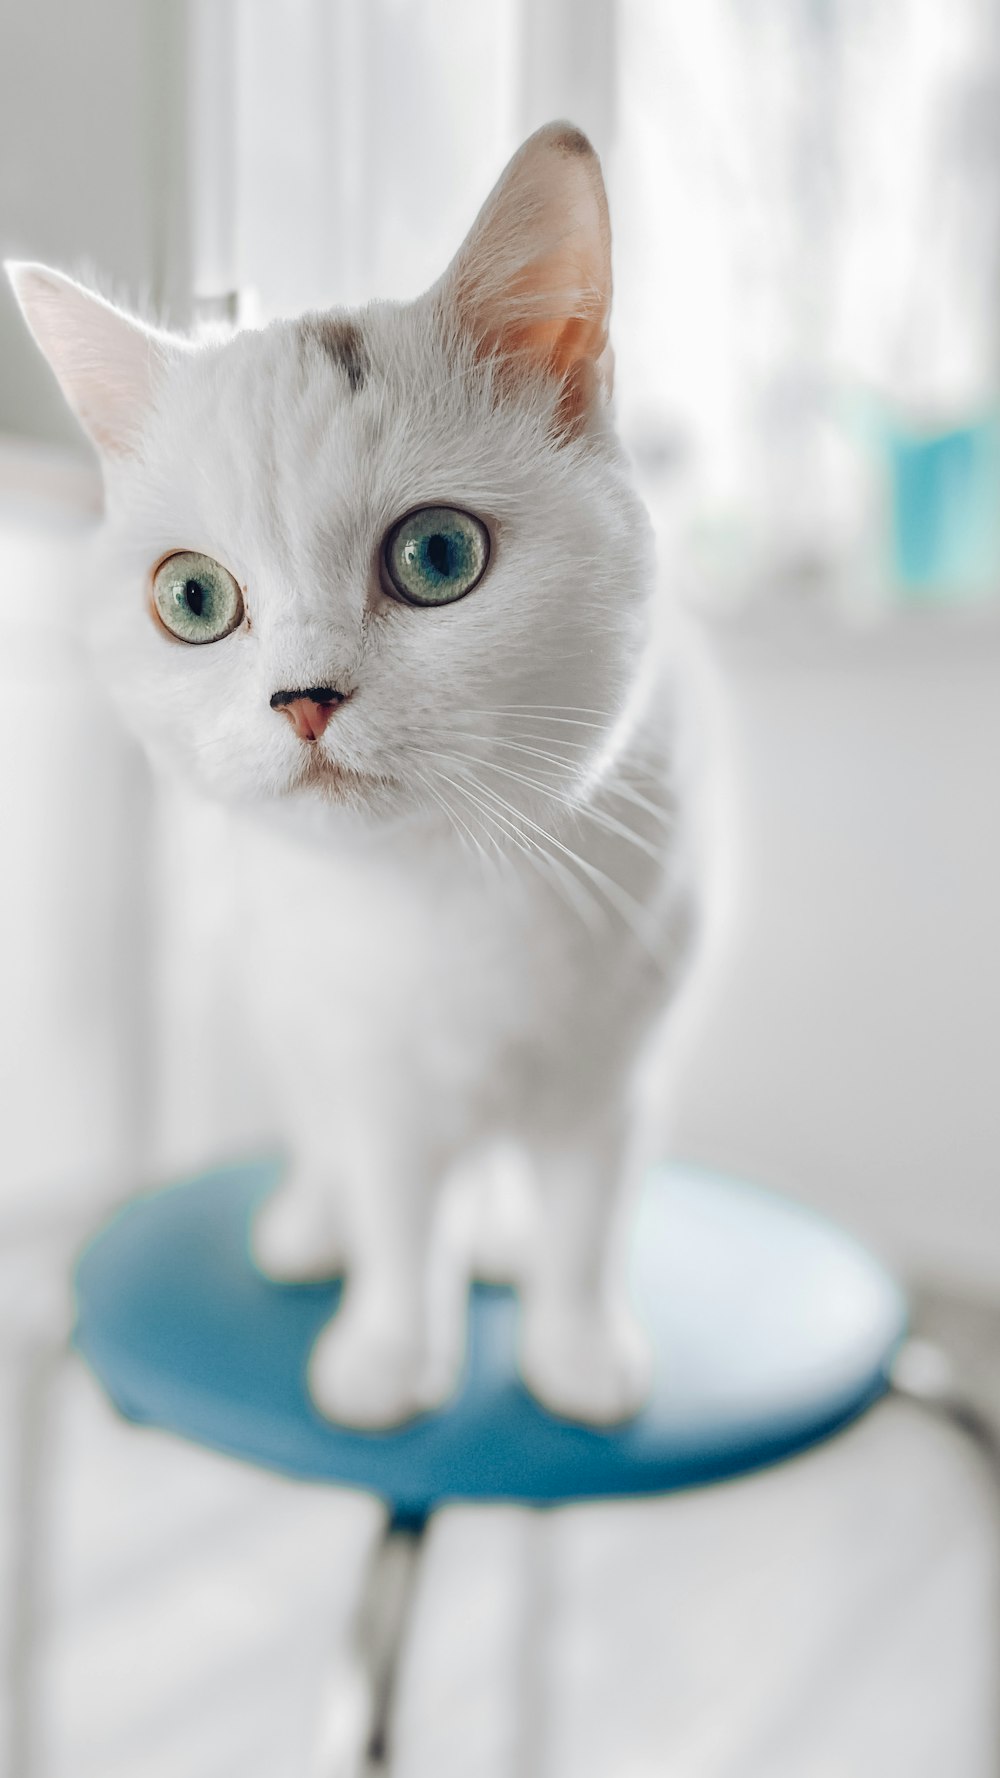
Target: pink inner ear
112,408
107,363
533,280
559,342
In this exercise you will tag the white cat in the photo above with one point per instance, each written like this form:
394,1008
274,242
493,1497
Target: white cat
382,582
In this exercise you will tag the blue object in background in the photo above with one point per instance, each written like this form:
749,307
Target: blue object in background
944,492
771,1329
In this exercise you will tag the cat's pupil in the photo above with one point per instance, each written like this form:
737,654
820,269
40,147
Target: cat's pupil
439,553
194,595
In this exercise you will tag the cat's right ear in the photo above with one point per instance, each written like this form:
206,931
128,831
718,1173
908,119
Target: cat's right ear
108,364
532,281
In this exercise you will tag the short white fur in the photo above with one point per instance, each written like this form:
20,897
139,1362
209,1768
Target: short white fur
470,902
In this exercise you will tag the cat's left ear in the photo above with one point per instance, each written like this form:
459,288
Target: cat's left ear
108,364
532,280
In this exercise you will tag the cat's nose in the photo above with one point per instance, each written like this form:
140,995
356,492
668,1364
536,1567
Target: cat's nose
308,711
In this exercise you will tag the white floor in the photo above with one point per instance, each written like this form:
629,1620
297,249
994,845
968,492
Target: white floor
835,1618
193,1610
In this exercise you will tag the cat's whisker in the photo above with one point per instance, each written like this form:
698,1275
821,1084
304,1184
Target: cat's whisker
610,780
617,897
634,915
613,784
651,760
588,754
459,826
496,833
562,763
638,752
556,709
581,811
489,848
524,727
573,892
510,825
507,829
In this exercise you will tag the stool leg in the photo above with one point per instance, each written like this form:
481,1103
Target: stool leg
924,1373
355,1726
39,1368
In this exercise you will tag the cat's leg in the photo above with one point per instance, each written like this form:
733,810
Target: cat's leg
298,1232
393,1348
582,1350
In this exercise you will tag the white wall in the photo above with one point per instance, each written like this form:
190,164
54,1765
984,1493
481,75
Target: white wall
93,150
852,1053
73,998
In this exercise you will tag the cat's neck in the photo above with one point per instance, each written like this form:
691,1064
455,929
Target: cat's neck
315,823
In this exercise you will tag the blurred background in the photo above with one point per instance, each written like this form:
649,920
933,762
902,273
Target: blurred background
806,207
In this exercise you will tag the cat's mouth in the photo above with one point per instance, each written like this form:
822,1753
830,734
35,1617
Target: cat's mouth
319,772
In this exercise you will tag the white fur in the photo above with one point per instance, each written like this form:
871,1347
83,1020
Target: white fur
469,942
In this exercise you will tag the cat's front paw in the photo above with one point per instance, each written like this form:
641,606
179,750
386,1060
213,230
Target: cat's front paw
293,1237
364,1374
586,1365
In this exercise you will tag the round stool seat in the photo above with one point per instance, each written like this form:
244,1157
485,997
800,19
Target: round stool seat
771,1328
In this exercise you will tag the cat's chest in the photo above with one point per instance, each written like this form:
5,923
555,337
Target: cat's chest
397,949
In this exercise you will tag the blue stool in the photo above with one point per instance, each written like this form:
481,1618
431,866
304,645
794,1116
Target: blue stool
771,1329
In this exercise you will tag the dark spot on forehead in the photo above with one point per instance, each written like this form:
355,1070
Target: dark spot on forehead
341,341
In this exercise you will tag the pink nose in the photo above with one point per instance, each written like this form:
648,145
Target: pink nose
308,711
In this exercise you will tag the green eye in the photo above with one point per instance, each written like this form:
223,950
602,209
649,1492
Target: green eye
436,555
196,599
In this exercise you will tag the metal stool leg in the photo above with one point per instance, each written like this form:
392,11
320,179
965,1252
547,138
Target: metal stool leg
356,1718
925,1373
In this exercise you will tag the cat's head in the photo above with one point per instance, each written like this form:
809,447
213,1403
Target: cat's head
389,558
